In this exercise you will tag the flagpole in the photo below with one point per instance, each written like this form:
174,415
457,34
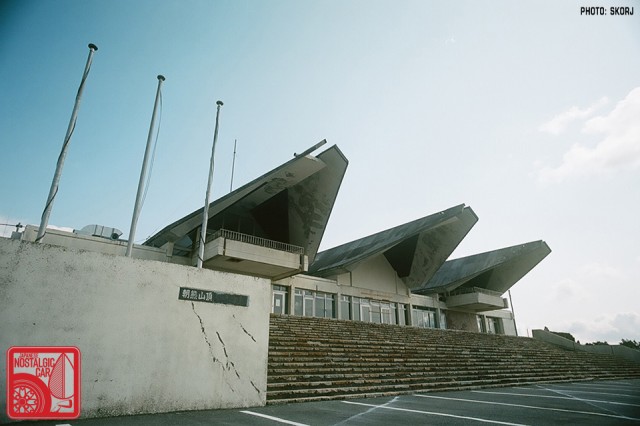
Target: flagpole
53,191
205,212
143,173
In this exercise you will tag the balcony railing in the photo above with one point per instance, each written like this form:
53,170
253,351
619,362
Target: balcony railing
467,290
257,241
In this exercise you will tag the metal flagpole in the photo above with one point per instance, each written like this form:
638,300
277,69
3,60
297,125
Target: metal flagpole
143,173
63,153
513,312
233,164
205,213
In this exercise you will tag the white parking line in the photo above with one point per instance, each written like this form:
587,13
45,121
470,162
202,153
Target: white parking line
275,419
435,414
529,406
369,411
606,385
556,397
580,391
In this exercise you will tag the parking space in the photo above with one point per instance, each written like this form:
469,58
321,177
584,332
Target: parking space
584,403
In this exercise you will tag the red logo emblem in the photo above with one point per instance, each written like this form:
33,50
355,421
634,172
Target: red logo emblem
43,382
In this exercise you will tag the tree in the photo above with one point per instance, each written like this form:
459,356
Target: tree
630,344
598,343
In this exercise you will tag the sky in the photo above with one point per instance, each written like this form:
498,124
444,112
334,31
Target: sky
529,112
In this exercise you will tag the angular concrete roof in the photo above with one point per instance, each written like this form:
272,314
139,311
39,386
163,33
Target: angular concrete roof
415,250
496,270
289,204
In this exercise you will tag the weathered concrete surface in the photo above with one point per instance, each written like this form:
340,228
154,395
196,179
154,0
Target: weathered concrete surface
143,350
461,321
415,250
56,237
496,270
290,204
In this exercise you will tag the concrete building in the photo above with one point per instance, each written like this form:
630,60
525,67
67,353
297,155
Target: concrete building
272,228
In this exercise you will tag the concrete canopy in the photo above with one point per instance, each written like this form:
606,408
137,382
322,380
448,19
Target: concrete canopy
496,270
290,204
415,250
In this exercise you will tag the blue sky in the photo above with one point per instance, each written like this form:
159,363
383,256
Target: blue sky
526,111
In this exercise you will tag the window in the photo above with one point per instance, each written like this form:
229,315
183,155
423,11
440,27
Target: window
481,324
303,303
355,309
494,325
424,317
309,303
376,313
324,305
345,307
402,314
365,310
388,313
279,299
297,303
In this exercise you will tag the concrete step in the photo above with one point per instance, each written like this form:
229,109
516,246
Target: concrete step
318,359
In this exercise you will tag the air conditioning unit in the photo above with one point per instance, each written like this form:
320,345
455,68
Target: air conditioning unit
99,231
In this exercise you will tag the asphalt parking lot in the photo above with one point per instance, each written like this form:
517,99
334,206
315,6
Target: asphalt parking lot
580,403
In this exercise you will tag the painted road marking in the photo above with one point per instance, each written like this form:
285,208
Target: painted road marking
431,413
530,406
538,387
580,391
556,397
275,419
370,410
576,398
605,385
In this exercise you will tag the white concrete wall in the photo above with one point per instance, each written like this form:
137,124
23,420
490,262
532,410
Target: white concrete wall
56,237
143,350
377,274
615,350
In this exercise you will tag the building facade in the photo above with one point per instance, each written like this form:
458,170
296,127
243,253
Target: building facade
272,228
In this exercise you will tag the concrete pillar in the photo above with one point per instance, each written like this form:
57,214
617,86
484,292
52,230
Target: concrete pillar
292,298
169,248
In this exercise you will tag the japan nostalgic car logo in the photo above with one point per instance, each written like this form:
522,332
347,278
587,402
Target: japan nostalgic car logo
43,382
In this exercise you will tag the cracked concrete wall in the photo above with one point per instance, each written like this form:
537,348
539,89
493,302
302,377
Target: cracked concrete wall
143,350
461,321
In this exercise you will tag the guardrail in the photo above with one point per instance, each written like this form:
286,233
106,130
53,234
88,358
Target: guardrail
467,290
257,241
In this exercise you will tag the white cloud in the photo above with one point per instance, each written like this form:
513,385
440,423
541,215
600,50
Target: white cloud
608,328
600,270
560,122
619,149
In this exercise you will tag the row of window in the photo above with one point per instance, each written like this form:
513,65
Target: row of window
319,304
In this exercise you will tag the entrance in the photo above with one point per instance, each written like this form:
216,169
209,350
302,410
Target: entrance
279,302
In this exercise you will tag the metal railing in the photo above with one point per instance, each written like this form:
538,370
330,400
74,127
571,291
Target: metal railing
257,241
467,290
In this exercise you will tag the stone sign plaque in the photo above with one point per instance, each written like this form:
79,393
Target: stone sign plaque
209,296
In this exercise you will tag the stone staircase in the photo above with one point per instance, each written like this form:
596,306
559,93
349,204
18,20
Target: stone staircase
313,359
